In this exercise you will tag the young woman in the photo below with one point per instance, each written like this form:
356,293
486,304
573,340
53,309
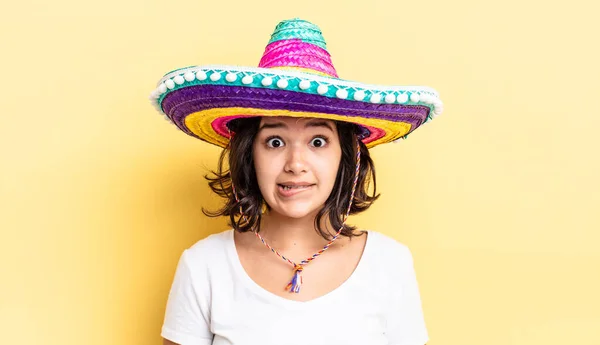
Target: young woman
295,164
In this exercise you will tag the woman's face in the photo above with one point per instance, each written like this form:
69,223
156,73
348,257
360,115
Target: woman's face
296,162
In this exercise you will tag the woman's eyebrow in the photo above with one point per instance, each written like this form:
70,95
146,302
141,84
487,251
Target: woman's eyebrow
325,124
273,125
308,124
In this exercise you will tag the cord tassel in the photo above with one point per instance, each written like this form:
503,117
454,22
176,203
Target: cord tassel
296,283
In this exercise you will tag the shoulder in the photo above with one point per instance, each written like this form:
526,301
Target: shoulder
208,249
388,247
211,243
390,257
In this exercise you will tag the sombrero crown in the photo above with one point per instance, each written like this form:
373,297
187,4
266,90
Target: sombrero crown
295,77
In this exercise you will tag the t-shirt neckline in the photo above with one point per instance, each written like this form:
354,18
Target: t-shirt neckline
242,275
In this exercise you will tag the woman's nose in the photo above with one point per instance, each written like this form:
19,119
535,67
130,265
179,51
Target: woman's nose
296,160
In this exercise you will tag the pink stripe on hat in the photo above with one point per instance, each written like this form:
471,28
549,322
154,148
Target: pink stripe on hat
296,53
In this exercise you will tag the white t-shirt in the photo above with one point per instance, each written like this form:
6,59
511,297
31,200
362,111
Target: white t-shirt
214,301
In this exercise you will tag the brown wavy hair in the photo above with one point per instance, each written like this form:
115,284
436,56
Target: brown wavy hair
240,171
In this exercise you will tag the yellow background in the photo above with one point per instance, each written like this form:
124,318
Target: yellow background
498,198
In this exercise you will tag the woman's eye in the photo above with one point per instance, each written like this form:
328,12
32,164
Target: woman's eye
318,142
274,142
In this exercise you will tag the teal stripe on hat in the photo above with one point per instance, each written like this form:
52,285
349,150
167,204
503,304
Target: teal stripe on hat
298,29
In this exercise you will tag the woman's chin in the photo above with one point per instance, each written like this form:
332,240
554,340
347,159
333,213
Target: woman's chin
297,212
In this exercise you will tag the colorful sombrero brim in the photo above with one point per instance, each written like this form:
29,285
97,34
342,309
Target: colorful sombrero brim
201,100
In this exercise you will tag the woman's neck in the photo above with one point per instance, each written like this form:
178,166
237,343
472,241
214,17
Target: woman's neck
297,233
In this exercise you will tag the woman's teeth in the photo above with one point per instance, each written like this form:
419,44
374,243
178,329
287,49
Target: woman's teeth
294,187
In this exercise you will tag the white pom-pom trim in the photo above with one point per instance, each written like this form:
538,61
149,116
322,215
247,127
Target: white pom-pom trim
282,83
267,81
231,77
419,94
438,108
414,97
201,75
304,84
402,98
375,98
341,94
189,76
359,95
170,84
390,98
247,80
179,80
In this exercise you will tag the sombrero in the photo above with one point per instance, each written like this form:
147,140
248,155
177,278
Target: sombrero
295,77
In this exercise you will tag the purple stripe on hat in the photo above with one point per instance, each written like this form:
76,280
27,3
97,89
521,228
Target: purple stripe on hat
182,102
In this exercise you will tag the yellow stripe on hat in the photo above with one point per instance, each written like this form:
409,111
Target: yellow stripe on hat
200,123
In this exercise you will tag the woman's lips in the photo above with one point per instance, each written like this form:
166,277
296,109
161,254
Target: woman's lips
290,190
